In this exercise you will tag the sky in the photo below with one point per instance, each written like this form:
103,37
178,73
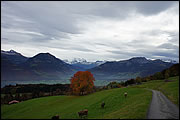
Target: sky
93,30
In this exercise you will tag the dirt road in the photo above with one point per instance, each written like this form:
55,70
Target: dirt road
162,108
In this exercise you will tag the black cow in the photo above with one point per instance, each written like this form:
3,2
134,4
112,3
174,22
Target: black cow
55,117
102,104
83,112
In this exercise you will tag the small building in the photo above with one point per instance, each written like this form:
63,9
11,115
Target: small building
13,102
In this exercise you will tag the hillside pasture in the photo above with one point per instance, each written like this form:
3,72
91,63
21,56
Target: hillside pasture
116,105
169,89
134,106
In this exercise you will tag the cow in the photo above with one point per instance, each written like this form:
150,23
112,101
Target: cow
83,113
125,94
55,117
13,102
102,104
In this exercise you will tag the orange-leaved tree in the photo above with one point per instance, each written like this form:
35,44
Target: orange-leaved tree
82,83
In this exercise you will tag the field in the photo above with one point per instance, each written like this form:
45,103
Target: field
169,89
135,106
117,106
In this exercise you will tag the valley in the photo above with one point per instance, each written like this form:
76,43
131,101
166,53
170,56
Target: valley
135,106
46,68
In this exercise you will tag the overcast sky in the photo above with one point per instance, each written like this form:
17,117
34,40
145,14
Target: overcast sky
94,30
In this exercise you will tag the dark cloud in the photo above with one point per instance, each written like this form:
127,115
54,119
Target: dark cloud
43,18
4,38
102,44
96,30
168,46
153,7
164,53
127,53
82,49
122,9
174,37
166,50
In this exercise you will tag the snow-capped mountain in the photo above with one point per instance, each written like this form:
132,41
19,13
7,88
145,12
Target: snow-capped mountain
169,60
100,62
83,63
80,60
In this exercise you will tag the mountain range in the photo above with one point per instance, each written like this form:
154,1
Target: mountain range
13,56
127,69
83,64
44,66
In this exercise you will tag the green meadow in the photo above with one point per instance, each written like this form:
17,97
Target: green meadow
169,89
135,106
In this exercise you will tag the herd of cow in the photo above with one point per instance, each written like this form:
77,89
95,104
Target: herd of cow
85,112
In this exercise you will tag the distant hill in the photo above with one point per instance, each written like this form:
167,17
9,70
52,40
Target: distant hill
173,70
127,69
42,66
46,62
13,56
7,68
11,71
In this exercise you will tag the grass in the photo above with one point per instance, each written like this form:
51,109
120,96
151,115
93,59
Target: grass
2,95
135,106
169,89
117,106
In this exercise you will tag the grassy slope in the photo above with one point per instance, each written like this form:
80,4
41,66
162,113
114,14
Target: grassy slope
170,89
134,106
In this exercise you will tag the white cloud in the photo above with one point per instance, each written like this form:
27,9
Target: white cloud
91,30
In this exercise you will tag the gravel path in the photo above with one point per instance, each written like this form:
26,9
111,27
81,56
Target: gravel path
161,107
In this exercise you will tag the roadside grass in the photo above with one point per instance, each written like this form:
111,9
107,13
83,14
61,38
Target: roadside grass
116,105
169,89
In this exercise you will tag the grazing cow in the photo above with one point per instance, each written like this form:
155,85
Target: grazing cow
166,80
83,112
55,117
102,104
125,94
13,102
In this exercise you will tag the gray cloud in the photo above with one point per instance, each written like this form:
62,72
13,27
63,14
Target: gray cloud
93,30
166,50
170,55
153,7
168,46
